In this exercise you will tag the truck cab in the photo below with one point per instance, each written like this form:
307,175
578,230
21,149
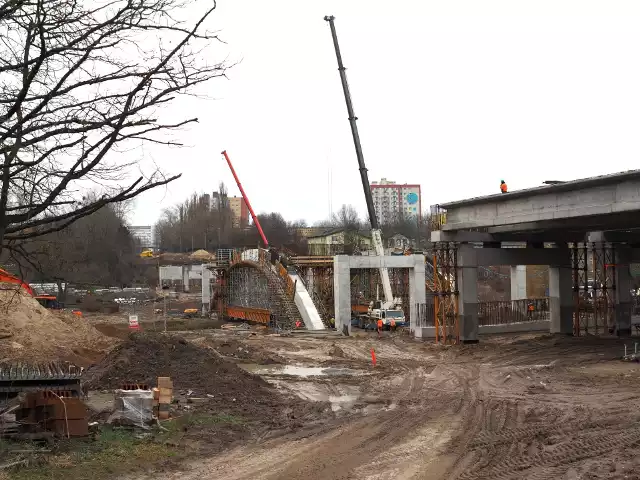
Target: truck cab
377,312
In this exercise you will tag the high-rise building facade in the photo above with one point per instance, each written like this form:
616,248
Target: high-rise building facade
394,202
144,234
239,212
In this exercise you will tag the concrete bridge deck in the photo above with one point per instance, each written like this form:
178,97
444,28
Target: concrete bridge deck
603,203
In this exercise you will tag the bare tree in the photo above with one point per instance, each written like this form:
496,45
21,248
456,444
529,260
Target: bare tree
81,85
347,218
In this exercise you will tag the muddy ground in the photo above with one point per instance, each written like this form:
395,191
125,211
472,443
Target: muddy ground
527,407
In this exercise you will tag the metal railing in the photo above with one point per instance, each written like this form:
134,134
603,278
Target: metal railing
513,311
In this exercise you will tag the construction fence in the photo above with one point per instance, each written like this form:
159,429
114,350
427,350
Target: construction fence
513,311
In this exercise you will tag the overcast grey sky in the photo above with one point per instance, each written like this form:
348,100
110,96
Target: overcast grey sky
454,95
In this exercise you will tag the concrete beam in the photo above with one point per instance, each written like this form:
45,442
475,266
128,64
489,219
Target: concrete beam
365,261
462,236
484,257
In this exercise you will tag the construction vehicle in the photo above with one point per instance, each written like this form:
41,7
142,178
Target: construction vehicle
147,253
47,301
389,308
6,277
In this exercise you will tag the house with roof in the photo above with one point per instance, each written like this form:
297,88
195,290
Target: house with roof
338,241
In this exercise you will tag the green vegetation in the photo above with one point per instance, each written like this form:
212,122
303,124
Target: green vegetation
119,451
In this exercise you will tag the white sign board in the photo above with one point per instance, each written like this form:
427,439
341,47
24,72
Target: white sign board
133,322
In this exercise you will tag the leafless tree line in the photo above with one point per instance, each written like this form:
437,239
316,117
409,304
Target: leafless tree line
82,83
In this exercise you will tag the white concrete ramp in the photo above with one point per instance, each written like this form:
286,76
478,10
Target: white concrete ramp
305,305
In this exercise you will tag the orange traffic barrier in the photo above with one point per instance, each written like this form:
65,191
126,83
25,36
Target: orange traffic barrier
373,357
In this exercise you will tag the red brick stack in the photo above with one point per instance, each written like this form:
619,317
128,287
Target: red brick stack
56,412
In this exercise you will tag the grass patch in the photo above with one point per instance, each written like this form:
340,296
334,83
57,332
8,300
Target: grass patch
189,420
114,452
117,452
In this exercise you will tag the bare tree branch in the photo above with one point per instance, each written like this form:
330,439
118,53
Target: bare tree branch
81,82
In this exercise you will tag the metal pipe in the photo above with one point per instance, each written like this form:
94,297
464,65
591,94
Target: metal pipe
246,200
354,128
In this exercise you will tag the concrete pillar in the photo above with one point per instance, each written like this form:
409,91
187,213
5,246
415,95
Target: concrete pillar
623,299
561,304
342,293
185,278
417,289
206,289
518,282
467,279
310,280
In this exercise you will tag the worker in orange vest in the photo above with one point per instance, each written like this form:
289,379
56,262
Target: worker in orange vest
379,327
503,186
393,325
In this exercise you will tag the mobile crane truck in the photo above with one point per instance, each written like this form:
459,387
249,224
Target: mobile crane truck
389,308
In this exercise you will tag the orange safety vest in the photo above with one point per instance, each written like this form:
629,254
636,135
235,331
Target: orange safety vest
379,323
503,187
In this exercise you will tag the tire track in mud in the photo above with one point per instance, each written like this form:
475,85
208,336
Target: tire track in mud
535,430
557,459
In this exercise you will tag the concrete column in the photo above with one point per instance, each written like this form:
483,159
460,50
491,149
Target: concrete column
206,290
561,303
518,282
623,299
467,279
185,278
342,292
417,289
310,280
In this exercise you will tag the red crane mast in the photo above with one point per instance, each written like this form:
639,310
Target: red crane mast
246,200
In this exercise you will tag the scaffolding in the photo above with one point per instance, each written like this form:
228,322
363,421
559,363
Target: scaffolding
446,294
593,274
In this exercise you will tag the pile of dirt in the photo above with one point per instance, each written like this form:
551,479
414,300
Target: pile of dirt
202,254
336,351
146,356
31,333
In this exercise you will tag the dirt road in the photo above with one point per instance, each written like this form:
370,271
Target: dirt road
509,408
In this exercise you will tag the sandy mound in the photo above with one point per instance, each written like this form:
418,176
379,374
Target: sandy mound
146,356
202,254
31,333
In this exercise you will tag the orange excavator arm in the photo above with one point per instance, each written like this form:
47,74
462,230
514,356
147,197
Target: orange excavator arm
6,277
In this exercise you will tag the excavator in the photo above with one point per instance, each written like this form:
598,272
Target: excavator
47,301
389,308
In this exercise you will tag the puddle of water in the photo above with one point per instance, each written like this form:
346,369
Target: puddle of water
341,397
338,402
295,371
